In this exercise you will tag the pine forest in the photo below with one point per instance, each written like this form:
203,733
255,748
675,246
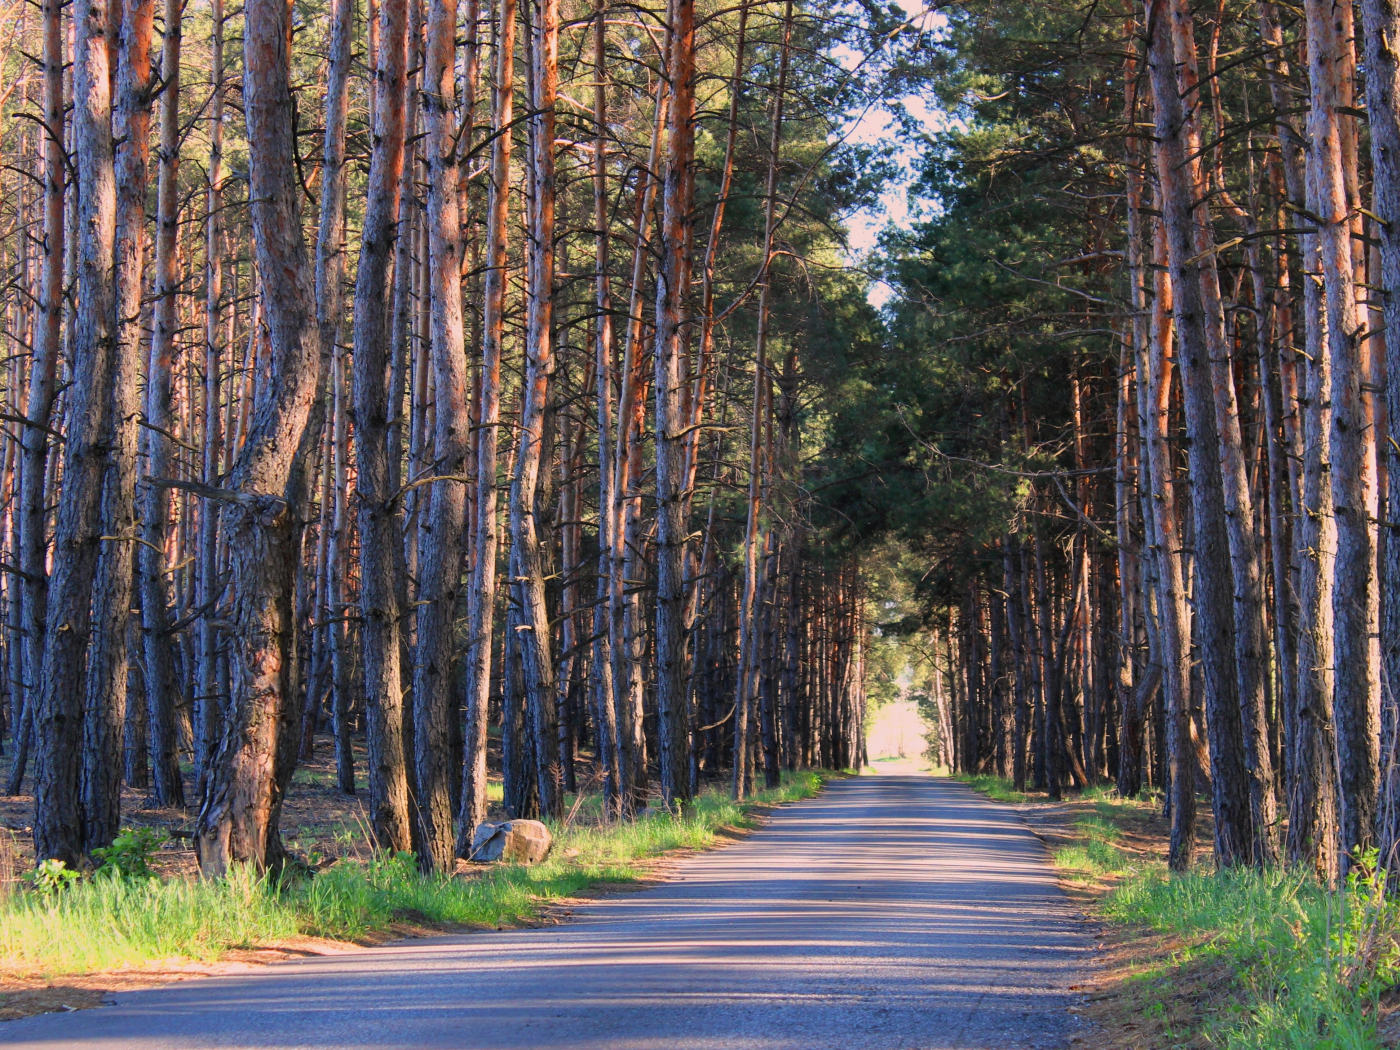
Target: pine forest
428,414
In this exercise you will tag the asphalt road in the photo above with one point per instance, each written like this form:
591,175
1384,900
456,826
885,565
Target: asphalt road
891,912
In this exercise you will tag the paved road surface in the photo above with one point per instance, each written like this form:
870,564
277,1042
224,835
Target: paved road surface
891,913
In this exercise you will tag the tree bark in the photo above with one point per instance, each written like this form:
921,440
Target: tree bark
1154,375
208,714
266,489
1311,794
376,505
482,597
1126,486
757,465
625,489
440,559
1381,23
48,346
672,293
1332,158
58,823
155,597
330,302
609,743
1198,324
104,706
528,584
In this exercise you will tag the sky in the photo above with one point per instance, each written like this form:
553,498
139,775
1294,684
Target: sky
876,126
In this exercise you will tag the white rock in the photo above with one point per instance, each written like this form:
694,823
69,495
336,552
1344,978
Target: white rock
515,841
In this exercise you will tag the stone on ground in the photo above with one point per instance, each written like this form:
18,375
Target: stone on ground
515,841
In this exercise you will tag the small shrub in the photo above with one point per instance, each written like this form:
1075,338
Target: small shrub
53,875
130,854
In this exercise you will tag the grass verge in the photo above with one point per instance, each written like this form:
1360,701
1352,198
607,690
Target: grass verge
1237,959
101,924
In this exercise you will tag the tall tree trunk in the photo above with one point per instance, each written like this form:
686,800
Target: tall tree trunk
1016,629
757,466
622,605
609,743
401,351
401,325
1154,374
440,559
48,346
377,508
208,720
1250,636
1051,762
104,706
707,290
330,303
1381,23
481,601
1307,723
1196,300
58,824
672,293
1332,158
471,264
1000,712
528,589
1130,713
1134,577
1282,504
155,599
266,490
1312,799
570,486
337,549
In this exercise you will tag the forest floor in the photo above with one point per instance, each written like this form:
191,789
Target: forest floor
320,823
73,948
1210,960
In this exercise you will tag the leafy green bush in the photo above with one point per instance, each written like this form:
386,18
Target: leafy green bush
52,876
130,854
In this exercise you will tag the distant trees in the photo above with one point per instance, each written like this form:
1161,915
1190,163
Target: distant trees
1164,259
470,458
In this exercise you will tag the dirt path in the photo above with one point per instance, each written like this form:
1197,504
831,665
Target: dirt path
890,912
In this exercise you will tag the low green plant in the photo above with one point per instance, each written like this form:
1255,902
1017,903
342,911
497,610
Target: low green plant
1096,855
1309,963
130,854
998,789
103,923
1092,860
53,875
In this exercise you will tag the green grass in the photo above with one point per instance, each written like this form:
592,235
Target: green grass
105,923
1096,855
1308,963
998,789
